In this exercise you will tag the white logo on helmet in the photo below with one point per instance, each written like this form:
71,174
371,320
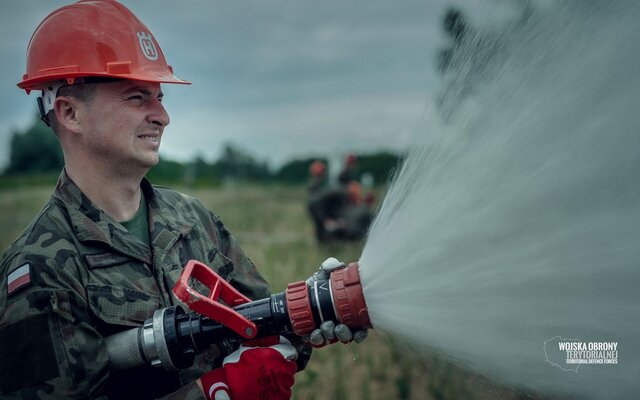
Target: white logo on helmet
147,46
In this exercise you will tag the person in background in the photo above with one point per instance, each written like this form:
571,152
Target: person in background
324,201
104,252
349,170
338,212
318,178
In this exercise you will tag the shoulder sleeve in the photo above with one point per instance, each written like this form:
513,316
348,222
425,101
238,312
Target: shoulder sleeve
48,346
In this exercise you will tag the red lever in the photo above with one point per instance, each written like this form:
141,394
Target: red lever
209,306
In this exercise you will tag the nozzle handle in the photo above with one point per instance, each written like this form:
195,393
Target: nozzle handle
209,306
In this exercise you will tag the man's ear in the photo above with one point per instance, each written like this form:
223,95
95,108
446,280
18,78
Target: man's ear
67,113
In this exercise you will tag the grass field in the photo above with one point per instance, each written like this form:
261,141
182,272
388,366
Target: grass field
272,226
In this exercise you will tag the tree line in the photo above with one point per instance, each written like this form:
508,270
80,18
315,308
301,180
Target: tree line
35,151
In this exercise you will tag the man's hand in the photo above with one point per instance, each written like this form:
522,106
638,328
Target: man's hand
253,373
329,332
324,272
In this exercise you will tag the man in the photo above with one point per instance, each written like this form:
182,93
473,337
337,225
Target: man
318,178
320,196
338,211
349,171
105,251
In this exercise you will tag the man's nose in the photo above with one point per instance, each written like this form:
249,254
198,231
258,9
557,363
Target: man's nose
159,115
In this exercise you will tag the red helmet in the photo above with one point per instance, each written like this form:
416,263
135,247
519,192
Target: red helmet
354,192
317,168
97,38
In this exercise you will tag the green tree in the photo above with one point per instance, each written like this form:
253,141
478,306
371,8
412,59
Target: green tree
296,172
474,55
237,164
34,151
455,26
379,165
167,171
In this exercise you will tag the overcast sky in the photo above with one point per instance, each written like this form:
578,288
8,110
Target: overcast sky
279,78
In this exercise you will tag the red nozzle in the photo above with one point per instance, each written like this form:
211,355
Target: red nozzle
339,299
209,305
348,298
299,308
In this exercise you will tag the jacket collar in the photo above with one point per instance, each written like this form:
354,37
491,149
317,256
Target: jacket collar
92,224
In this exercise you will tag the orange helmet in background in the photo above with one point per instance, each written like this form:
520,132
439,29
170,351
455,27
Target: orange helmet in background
317,168
96,38
354,192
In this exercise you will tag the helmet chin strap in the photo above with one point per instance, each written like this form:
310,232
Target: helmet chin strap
48,98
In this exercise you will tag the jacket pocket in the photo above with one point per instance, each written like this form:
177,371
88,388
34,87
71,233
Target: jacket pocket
219,263
215,261
121,306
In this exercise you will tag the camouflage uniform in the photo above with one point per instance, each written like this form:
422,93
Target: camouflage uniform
90,278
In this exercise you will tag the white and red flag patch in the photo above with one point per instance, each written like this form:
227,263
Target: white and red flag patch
20,277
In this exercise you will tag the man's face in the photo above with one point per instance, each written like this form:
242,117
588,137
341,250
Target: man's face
123,124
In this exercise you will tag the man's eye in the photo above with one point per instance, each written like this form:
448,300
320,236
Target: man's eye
136,97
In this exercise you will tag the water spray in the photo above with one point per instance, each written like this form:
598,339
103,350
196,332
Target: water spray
173,337
513,225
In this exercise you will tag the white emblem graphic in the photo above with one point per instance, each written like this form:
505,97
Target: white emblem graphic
147,46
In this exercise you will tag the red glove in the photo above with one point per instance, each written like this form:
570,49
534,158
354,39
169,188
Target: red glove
261,373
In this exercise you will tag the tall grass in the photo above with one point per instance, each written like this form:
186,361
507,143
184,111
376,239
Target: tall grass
272,226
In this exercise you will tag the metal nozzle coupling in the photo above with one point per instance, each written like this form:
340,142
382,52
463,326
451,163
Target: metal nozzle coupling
340,299
348,298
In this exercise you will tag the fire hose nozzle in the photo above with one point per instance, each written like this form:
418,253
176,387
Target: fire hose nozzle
209,305
339,298
173,337
348,297
307,303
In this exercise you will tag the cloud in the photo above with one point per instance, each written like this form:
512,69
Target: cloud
280,77
284,131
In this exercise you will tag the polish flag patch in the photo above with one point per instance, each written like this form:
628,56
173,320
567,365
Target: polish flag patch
20,277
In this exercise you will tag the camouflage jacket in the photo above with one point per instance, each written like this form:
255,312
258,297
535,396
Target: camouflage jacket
76,276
